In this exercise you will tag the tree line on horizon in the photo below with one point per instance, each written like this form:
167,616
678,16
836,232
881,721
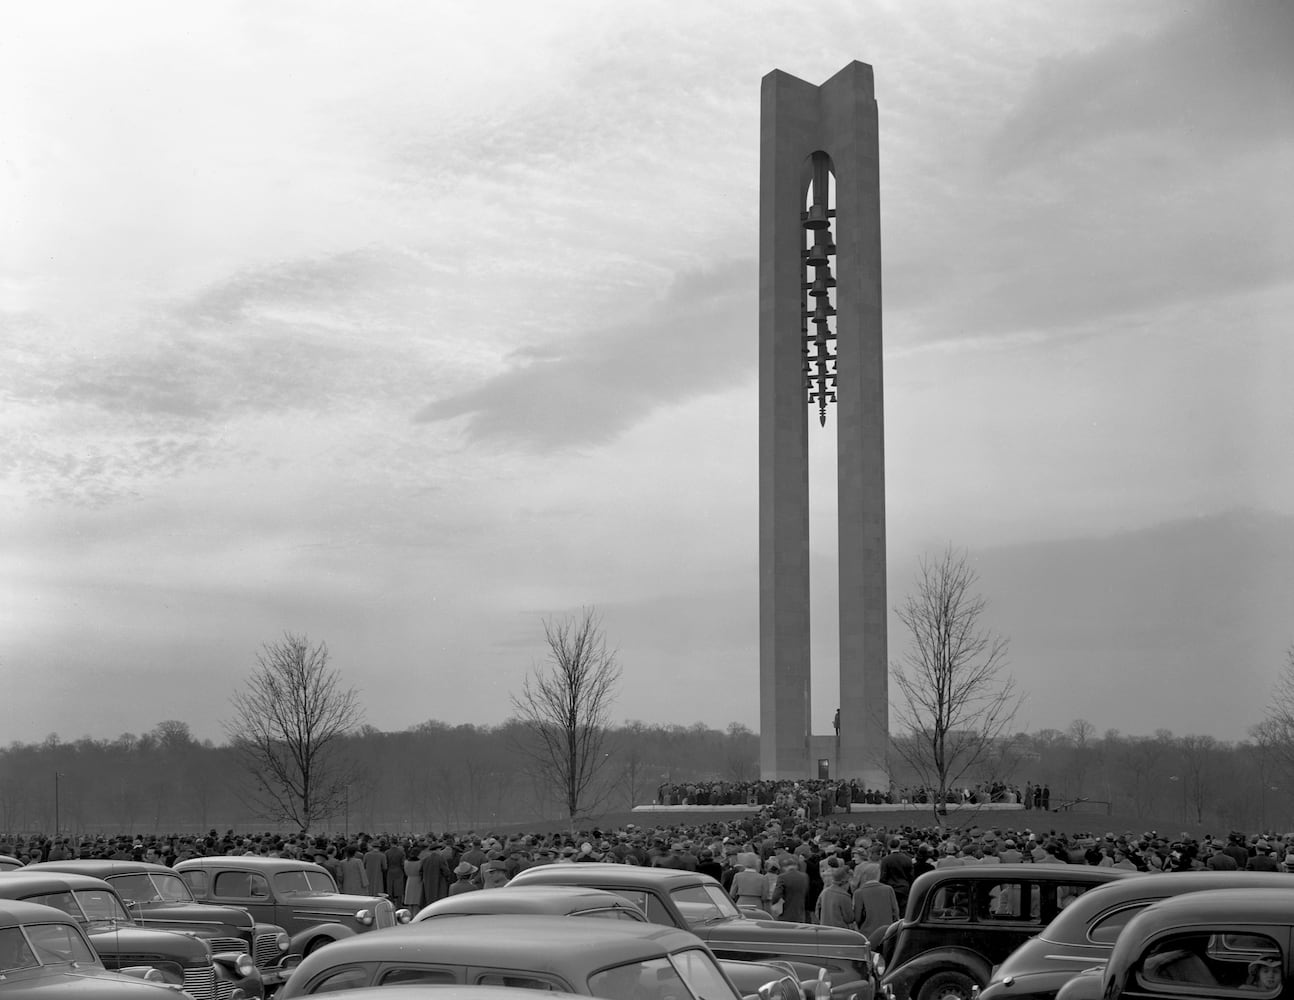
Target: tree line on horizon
440,777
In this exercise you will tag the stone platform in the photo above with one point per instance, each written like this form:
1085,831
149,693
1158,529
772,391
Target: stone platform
857,809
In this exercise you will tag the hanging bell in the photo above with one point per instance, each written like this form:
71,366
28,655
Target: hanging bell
823,310
820,286
816,217
819,254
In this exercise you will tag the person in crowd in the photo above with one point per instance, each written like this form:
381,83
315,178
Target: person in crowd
792,891
835,906
875,905
464,873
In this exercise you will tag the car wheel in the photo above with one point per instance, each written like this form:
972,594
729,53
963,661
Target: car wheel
947,985
313,946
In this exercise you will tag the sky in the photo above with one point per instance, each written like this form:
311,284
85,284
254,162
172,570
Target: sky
407,326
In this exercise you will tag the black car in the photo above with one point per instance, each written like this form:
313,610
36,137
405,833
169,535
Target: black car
1219,944
1083,935
120,943
158,897
962,921
697,903
44,953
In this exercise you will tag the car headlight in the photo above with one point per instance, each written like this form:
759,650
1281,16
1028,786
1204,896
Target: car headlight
878,963
283,941
403,916
244,966
364,917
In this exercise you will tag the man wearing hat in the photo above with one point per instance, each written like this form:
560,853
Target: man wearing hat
494,874
464,872
1262,861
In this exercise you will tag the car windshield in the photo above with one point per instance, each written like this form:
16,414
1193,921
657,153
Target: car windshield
689,972
85,905
43,944
703,904
296,883
171,888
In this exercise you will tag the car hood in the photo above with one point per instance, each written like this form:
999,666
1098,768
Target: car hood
132,940
331,902
215,917
1040,955
85,983
780,936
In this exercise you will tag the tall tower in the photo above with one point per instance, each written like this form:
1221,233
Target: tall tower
820,345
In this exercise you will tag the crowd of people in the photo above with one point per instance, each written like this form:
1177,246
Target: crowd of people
830,870
823,797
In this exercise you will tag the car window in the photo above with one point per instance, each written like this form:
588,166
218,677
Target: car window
137,888
259,886
196,880
1105,930
647,903
15,953
1008,901
62,901
1066,894
56,944
517,981
1244,964
614,913
701,974
654,979
100,904
951,902
299,881
171,888
236,885
699,906
398,977
341,979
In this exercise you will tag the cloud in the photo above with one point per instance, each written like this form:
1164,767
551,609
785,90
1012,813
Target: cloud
699,338
1221,77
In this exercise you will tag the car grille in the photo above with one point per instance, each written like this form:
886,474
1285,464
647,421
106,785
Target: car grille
202,984
384,914
267,951
227,944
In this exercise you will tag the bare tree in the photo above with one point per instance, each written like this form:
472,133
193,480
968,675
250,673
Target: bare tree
289,729
564,709
957,702
1277,729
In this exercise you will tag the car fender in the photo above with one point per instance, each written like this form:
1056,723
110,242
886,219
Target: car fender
905,979
311,937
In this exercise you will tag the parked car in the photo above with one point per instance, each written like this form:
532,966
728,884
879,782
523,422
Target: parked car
120,943
44,953
614,959
961,922
1084,933
1218,944
158,897
697,903
576,901
299,896
9,863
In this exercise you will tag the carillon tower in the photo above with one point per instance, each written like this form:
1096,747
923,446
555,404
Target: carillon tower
820,348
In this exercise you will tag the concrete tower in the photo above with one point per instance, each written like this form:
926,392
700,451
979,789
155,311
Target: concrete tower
820,345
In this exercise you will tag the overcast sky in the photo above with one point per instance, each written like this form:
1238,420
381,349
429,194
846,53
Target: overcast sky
405,325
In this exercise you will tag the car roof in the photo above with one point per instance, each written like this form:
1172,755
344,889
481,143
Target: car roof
441,991
1152,887
1067,874
14,912
559,900
1268,905
28,881
581,873
528,942
102,867
250,862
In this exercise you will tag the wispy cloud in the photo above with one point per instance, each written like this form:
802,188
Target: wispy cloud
589,389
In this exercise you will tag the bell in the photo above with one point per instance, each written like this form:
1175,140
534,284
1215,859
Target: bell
819,254
824,310
819,286
816,217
